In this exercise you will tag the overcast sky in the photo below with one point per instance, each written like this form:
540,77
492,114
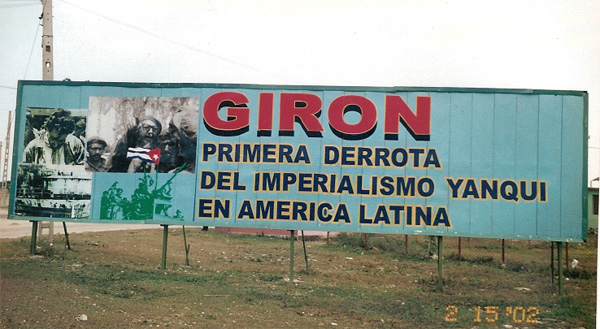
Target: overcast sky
501,44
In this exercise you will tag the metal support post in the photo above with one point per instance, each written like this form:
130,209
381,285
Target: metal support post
187,248
304,246
66,236
503,260
164,251
440,280
567,255
552,264
34,228
560,269
292,256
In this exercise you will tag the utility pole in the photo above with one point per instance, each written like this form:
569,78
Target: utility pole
47,74
4,186
6,153
2,182
47,46
2,193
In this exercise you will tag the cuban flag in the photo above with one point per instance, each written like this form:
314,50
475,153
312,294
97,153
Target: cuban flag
144,154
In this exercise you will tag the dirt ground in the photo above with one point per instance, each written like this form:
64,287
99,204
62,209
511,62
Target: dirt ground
116,280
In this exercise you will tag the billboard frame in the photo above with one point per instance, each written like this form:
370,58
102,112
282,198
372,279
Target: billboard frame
18,139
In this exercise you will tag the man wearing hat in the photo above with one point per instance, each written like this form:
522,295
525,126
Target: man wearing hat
144,135
95,161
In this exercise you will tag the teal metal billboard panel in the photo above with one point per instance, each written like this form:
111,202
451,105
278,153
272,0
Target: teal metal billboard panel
492,163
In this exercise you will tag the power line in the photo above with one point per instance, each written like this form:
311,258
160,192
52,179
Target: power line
15,5
157,36
32,47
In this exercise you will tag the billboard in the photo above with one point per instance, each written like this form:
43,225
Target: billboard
492,163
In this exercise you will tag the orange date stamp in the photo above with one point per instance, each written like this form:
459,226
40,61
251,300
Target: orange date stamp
490,313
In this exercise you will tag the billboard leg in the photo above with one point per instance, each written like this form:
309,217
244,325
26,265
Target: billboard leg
163,264
559,268
440,280
66,236
503,259
304,246
34,228
292,256
552,264
187,248
567,255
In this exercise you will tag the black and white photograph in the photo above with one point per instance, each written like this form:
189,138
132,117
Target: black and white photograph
54,136
51,180
142,134
53,191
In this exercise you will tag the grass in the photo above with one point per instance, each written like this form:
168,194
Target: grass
115,279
